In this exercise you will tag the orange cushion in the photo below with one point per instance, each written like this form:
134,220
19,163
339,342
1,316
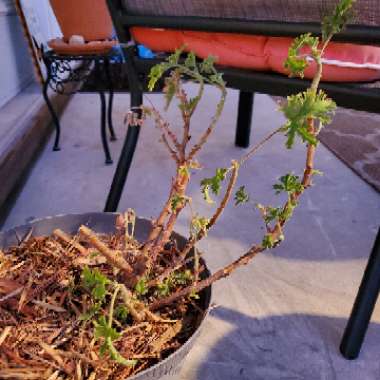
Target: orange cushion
342,62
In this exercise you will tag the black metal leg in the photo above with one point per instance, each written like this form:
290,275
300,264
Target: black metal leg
364,305
103,127
243,128
110,100
53,114
131,139
125,159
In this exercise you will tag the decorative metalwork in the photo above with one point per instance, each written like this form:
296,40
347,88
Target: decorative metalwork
63,70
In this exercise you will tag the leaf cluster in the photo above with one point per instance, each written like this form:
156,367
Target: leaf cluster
95,282
175,279
204,70
297,63
213,184
241,196
302,109
199,224
109,334
289,183
335,22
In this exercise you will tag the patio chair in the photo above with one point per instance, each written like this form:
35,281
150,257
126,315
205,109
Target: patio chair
288,18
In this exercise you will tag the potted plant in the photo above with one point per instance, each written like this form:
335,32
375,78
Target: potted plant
104,296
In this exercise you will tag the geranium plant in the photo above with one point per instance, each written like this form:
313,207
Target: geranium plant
95,306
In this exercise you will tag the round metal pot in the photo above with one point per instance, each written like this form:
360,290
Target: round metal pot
168,368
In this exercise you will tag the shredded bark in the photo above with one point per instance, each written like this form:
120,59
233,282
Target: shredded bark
47,330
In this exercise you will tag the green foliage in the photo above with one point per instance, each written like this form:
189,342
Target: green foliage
194,295
164,288
213,183
182,278
300,110
177,201
241,196
141,288
171,85
183,170
109,334
334,23
102,330
117,357
268,241
288,210
121,313
269,213
95,282
297,63
202,71
207,66
199,224
289,183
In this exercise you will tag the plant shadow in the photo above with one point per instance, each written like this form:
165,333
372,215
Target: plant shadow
294,346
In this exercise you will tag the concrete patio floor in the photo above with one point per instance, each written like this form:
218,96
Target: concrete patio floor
282,317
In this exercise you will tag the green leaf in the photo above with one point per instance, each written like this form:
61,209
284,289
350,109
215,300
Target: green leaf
163,288
268,241
194,295
182,278
191,60
176,201
170,89
117,357
198,224
295,63
95,282
121,313
102,330
141,288
214,184
241,196
287,212
335,22
207,66
303,108
289,183
155,75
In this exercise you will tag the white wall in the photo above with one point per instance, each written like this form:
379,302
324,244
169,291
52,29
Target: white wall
16,69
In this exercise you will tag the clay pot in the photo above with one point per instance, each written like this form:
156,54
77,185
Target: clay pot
87,18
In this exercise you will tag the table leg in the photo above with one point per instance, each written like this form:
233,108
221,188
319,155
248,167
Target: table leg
52,112
110,100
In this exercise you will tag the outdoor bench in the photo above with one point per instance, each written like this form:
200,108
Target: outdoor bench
271,18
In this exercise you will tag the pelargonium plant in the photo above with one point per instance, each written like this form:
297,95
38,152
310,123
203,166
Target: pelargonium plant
94,306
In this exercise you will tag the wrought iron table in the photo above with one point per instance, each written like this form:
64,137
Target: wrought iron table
75,69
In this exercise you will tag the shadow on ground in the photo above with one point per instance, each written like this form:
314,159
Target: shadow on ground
294,346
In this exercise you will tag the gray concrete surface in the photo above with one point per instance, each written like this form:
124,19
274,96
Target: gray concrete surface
281,317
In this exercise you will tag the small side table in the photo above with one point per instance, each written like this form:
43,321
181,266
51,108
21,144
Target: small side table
62,69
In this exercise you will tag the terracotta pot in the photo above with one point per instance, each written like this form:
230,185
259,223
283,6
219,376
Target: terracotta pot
87,18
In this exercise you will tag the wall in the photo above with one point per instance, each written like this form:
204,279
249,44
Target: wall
16,70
